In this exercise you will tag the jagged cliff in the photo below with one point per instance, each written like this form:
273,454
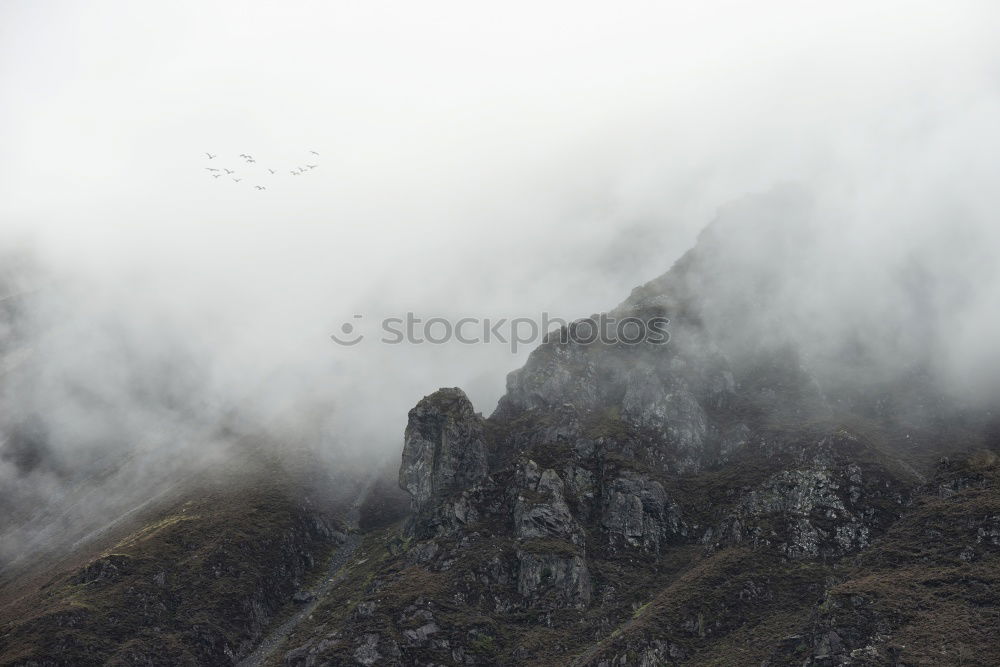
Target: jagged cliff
713,500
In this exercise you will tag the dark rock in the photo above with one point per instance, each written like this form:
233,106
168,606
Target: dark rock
540,508
444,448
106,569
553,580
637,513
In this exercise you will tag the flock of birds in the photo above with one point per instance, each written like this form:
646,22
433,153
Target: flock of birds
249,160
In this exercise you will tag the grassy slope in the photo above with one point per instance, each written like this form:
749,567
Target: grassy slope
192,581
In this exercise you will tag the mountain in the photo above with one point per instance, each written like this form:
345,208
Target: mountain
735,495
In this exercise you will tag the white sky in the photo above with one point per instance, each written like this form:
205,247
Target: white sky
476,158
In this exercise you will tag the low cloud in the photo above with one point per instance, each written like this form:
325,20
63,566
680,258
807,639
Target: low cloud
473,162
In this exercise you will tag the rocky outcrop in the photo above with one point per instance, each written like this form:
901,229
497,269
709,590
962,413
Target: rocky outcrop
553,579
540,508
600,458
824,504
668,407
658,397
638,514
444,447
106,569
932,574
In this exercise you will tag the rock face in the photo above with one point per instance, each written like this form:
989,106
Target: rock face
444,448
638,514
564,578
646,506
662,393
618,482
825,504
540,509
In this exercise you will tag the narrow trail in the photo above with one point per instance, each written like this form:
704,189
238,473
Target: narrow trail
333,576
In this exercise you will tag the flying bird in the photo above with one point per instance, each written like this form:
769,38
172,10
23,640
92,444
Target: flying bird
250,159
270,170
314,152
260,187
237,179
210,156
211,169
244,155
293,172
312,166
216,175
228,171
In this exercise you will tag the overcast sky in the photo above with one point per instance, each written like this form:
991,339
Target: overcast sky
483,159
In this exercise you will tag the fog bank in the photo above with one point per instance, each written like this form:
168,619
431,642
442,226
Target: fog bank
472,161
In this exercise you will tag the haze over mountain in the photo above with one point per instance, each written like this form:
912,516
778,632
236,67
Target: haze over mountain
162,333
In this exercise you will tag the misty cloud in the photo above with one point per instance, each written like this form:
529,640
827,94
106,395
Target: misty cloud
492,162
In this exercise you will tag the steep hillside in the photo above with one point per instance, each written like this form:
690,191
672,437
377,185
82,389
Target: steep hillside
194,579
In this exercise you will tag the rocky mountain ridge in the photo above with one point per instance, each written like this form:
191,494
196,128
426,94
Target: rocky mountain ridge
709,501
